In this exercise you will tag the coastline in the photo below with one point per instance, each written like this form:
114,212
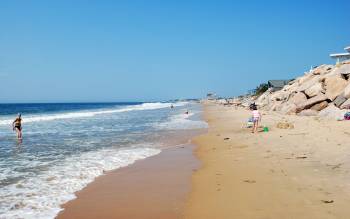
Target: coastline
284,173
162,180
155,187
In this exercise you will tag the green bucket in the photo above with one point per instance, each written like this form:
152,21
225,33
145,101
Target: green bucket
266,129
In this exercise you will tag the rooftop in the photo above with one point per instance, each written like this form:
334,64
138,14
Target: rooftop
337,55
278,83
342,55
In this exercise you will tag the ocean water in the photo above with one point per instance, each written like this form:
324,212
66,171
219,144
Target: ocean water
66,146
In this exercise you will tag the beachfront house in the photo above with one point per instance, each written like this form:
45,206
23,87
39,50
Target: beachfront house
276,85
211,96
340,57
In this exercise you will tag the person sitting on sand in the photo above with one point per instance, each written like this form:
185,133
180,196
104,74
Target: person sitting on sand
17,126
256,118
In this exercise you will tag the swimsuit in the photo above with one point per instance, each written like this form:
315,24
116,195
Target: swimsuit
256,115
18,125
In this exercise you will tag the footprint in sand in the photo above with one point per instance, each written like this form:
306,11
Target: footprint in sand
284,173
249,181
335,166
218,184
327,201
243,146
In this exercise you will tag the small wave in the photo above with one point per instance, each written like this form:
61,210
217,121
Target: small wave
41,196
82,114
182,121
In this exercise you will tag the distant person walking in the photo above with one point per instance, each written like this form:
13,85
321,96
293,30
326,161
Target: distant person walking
17,126
256,117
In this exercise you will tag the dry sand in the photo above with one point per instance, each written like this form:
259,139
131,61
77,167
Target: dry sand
284,173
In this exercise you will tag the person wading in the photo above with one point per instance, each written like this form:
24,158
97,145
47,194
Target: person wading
17,126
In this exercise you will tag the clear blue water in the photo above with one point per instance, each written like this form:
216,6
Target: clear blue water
65,146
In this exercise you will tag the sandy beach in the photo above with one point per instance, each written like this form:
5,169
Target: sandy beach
301,172
139,109
284,173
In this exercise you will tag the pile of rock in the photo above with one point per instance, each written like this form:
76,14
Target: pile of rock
323,91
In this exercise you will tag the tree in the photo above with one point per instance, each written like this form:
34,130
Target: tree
261,89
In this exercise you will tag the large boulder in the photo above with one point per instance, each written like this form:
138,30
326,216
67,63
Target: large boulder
345,105
280,95
334,85
310,102
308,112
346,92
304,78
291,88
343,69
298,98
314,90
339,100
278,106
307,83
289,108
320,106
322,69
332,112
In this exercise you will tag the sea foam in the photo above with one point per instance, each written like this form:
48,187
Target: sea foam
61,156
82,114
182,121
41,196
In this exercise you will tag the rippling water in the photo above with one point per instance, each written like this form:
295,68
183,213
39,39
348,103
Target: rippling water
65,146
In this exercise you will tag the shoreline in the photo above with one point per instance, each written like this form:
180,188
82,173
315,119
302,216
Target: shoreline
284,173
155,187
117,188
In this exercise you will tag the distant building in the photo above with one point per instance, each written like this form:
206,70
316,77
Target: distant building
341,56
211,96
276,85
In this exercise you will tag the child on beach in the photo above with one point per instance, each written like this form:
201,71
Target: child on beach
256,115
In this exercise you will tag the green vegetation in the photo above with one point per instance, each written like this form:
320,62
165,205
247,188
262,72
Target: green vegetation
261,89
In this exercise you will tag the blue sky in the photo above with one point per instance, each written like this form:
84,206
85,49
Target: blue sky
58,51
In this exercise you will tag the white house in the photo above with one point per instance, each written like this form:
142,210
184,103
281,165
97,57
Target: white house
342,56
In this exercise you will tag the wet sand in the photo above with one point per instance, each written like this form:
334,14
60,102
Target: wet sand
284,173
153,188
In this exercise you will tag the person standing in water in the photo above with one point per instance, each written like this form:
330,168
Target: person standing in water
17,126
